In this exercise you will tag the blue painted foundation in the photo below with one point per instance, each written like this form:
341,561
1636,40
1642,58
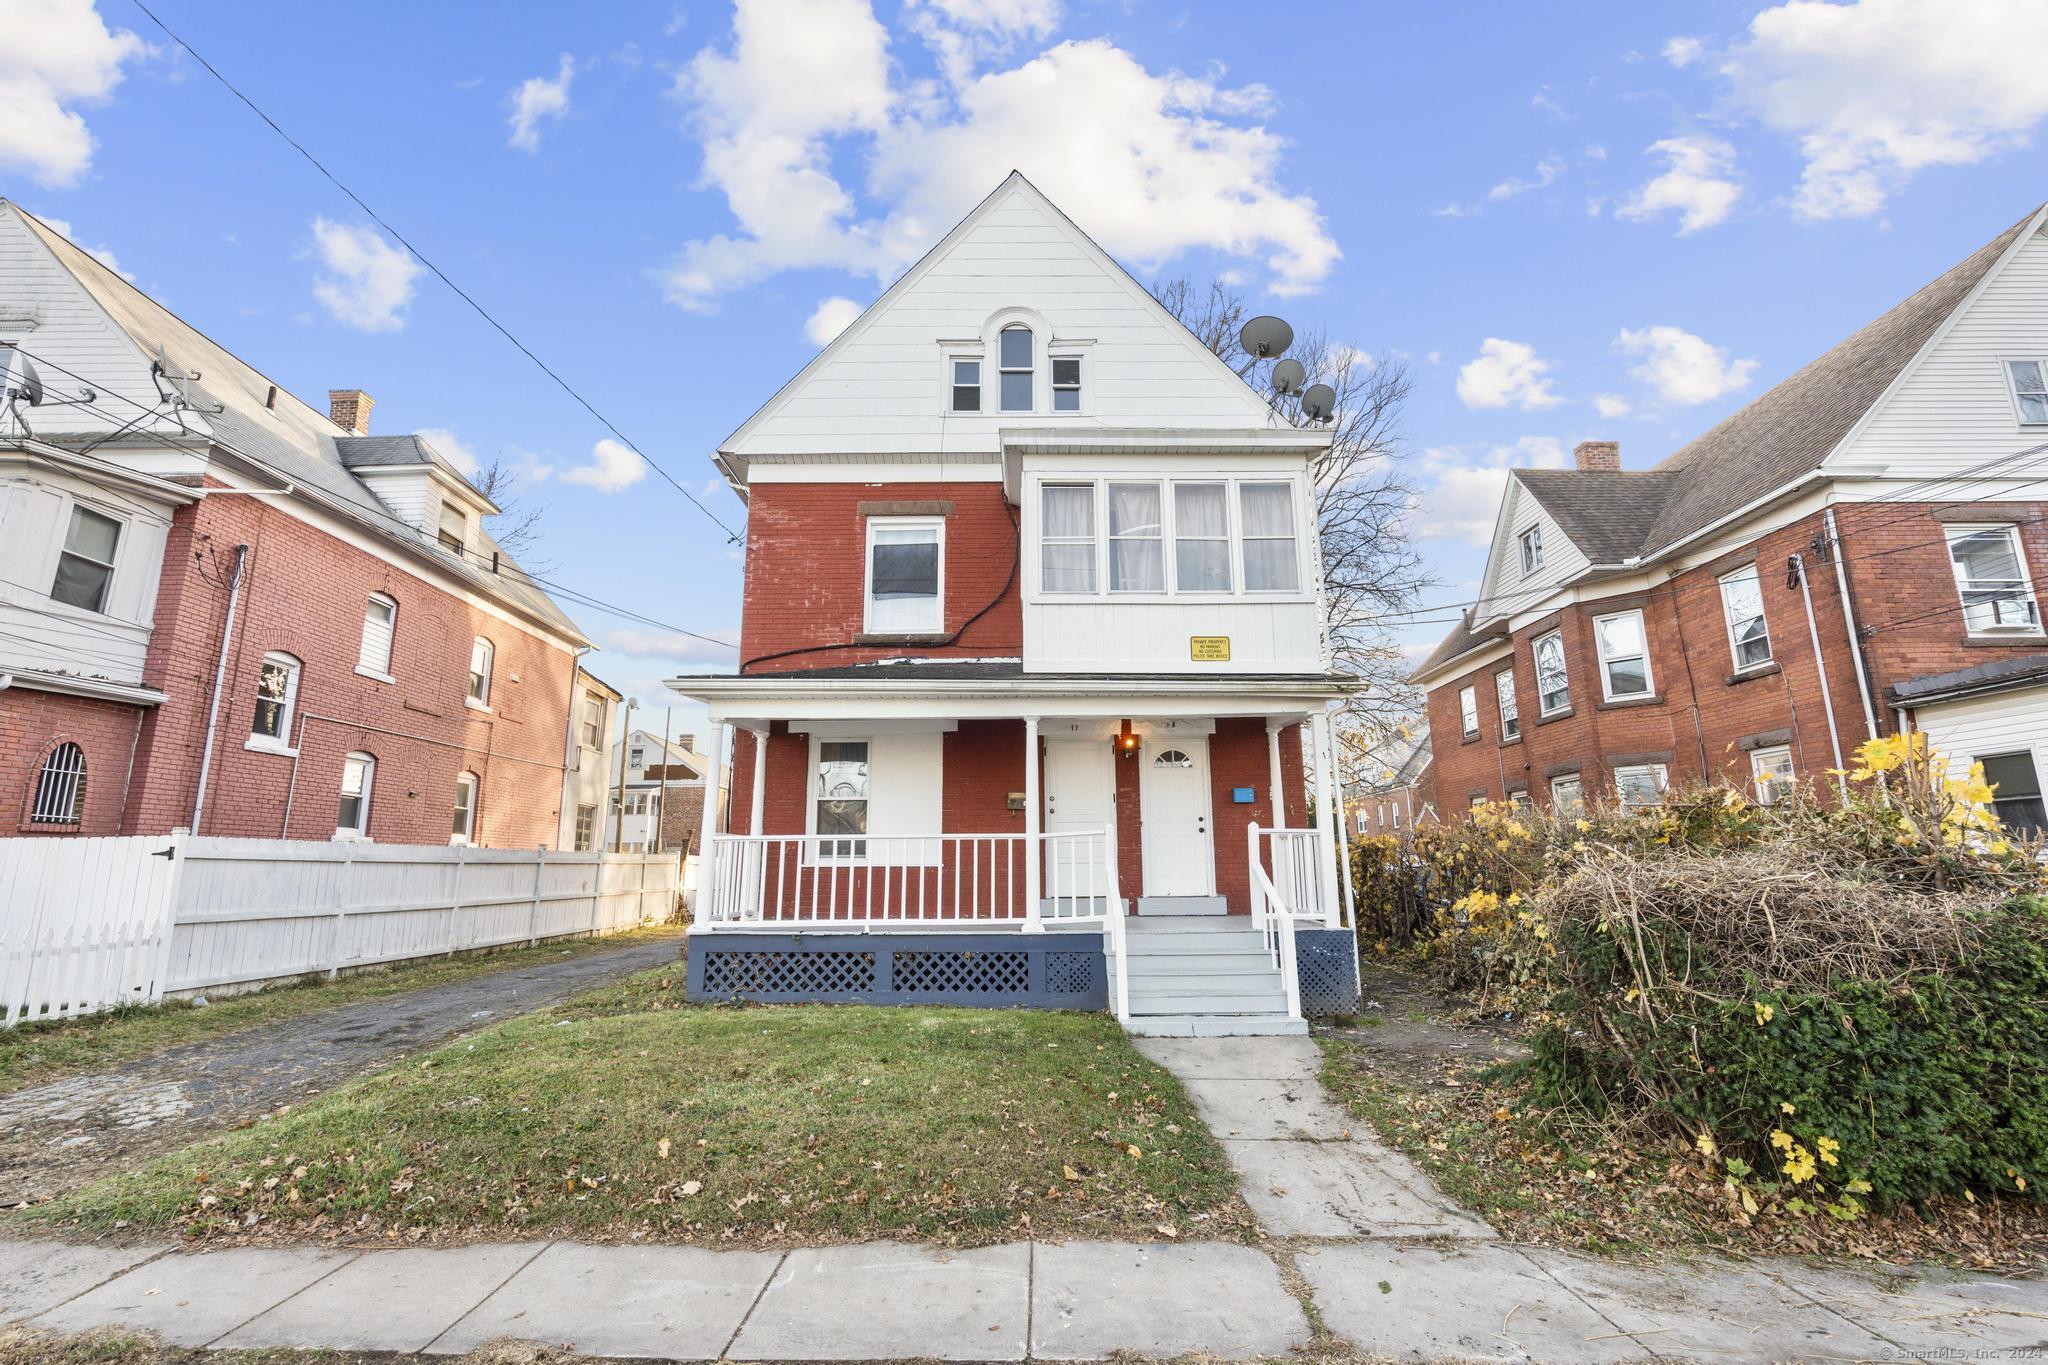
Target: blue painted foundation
1326,965
1051,971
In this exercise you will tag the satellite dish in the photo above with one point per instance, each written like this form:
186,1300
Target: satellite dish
22,381
1288,376
1265,337
1319,403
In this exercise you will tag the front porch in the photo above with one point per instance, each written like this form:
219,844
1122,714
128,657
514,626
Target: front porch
1147,852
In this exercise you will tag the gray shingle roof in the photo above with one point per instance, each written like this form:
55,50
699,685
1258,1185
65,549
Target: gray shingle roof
1999,673
1604,514
1462,639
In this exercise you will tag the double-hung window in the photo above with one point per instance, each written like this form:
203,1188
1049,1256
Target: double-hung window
1639,785
1624,655
1266,512
277,693
380,623
2029,390
1468,711
586,828
85,566
480,654
1771,771
463,830
840,807
1742,605
1504,693
2016,792
1553,681
358,776
1014,361
906,567
1991,577
1066,383
1067,537
593,721
966,384
1532,549
1137,559
1567,797
454,529
1201,537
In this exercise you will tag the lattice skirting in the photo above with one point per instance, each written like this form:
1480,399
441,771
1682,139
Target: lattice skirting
1326,964
1039,971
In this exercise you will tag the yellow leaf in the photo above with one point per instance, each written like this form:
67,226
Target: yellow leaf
661,1149
1070,1173
1133,1150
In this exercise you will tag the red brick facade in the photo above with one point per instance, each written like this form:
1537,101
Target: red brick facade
304,593
1703,719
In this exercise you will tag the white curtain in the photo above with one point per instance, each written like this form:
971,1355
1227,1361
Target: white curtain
1136,563
1067,542
1267,513
1201,537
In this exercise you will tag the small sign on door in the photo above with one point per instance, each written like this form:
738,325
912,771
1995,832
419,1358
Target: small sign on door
1209,649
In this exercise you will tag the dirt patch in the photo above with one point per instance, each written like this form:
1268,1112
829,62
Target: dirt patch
59,1136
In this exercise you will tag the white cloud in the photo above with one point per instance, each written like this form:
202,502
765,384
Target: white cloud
1698,183
1611,405
1682,368
1683,51
1876,90
1462,497
368,279
56,53
1162,164
831,317
103,255
453,449
1547,171
613,468
1506,374
538,98
964,33
673,646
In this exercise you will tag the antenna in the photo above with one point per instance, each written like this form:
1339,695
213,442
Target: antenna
1319,404
1265,337
1288,376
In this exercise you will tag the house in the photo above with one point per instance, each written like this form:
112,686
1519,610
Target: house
587,781
1031,651
1398,788
1853,554
663,789
225,609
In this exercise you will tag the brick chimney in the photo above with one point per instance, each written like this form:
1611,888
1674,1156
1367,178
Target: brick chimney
1593,457
350,409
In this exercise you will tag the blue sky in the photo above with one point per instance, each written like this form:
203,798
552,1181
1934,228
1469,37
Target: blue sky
1597,220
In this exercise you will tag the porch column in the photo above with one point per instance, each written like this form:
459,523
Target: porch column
1032,842
1343,835
1319,730
1279,804
760,777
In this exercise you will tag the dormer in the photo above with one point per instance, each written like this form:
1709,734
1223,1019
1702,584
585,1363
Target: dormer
420,487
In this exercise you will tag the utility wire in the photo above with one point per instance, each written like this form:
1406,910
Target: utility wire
732,537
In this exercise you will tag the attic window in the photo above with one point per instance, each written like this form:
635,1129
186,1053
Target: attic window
2030,390
1015,365
966,385
1532,549
454,528
1066,383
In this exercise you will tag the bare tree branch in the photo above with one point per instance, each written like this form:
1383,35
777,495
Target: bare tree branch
516,528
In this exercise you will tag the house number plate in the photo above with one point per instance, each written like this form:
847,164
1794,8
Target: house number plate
1213,649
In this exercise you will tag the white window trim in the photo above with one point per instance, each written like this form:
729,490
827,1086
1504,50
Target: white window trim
957,357
281,744
1756,769
1307,571
1067,351
1239,539
867,571
1649,691
1163,491
1503,700
468,835
1659,771
1233,540
1530,542
1578,789
1955,531
1038,340
359,833
1536,666
125,523
390,642
490,650
1468,716
814,854
1728,622
2012,390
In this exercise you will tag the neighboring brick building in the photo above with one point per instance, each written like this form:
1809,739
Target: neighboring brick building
226,609
1638,629
1031,641
1397,788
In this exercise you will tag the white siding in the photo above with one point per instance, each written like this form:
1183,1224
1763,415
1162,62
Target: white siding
2004,723
1504,590
1954,409
38,633
408,492
884,387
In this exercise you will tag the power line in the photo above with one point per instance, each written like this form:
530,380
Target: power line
732,537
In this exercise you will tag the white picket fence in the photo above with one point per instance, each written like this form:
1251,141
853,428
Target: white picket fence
93,924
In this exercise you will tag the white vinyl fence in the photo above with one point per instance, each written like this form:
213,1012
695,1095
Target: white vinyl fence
93,924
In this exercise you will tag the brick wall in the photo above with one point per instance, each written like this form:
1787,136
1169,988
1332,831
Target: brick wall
304,594
32,724
806,561
1703,720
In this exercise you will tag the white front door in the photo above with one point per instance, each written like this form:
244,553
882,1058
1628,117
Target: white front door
1173,798
1080,798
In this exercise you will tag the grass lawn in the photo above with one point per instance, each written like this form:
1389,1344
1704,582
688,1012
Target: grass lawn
624,1113
33,1054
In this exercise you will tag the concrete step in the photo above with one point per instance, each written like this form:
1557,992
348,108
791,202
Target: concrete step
1236,1001
1149,961
1262,983
1190,926
1214,1026
1182,905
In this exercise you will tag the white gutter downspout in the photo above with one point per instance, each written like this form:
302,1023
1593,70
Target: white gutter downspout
1836,552
1827,699
220,674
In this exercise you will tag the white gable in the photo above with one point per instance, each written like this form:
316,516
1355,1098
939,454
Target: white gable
1504,590
1952,408
882,387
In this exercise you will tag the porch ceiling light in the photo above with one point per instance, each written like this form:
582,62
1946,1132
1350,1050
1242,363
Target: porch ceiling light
1127,740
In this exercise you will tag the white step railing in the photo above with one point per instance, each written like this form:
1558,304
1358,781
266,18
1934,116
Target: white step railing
1278,901
810,880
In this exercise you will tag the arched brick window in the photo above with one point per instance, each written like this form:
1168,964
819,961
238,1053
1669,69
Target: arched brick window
60,787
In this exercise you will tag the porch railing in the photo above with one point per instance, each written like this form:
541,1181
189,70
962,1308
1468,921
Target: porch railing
1302,867
1274,911
808,880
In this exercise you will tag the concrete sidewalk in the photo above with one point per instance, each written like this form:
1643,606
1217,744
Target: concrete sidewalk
1357,1234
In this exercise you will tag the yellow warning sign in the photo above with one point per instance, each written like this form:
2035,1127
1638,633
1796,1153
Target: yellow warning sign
1209,649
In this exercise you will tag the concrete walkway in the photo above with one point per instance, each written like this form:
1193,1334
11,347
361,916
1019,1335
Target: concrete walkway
1358,1234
